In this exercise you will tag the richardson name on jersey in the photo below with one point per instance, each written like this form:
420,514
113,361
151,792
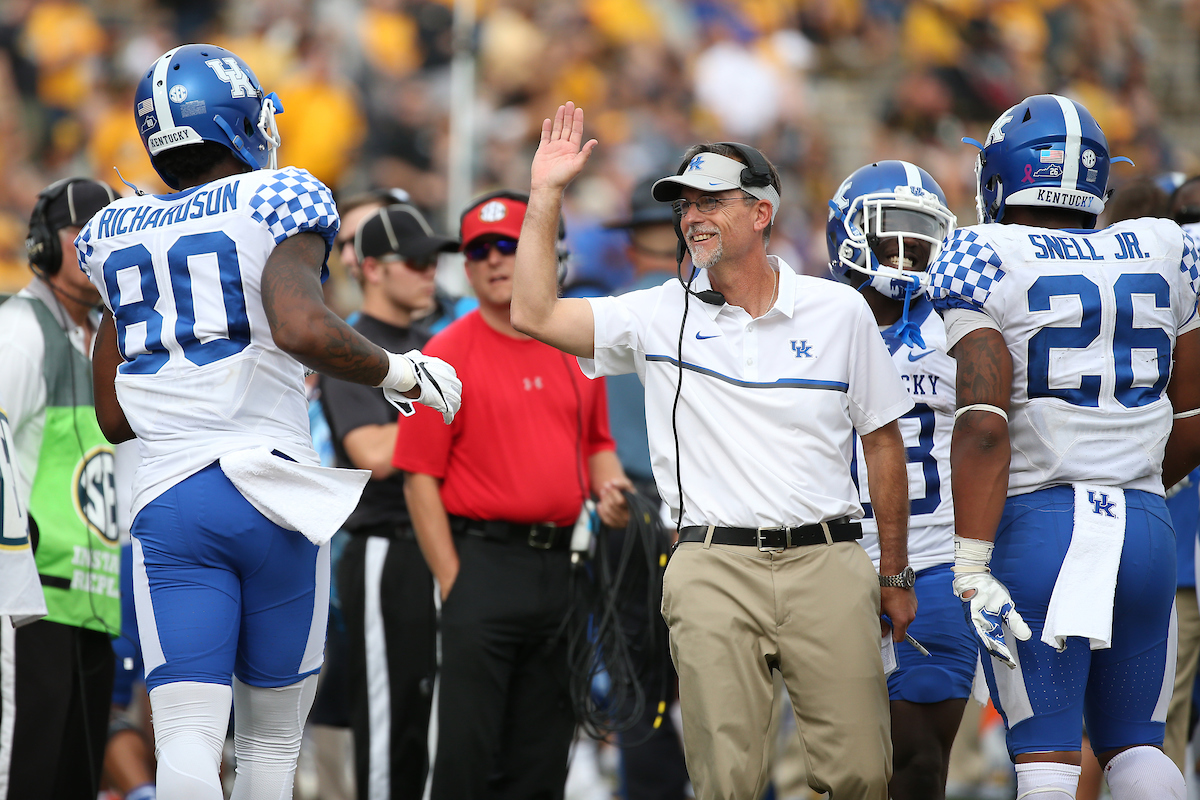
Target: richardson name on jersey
131,219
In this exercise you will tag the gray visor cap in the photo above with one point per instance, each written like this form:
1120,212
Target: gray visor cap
710,172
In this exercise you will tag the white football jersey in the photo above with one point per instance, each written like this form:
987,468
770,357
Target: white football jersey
1090,318
182,274
928,373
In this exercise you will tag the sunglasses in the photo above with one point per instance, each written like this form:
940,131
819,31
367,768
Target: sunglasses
479,252
423,264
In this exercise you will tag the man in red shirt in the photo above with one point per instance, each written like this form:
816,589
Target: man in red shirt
493,498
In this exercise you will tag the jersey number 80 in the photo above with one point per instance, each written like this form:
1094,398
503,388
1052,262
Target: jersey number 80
134,293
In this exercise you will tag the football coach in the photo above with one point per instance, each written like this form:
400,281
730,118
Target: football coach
757,379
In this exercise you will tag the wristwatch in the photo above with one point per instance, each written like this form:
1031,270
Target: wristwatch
907,579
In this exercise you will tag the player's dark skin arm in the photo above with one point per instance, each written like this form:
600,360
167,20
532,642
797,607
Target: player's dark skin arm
1183,446
304,327
980,452
979,446
105,360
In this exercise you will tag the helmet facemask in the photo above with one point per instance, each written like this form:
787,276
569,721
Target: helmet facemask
877,218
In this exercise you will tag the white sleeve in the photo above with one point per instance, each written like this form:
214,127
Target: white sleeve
961,321
876,392
22,382
620,326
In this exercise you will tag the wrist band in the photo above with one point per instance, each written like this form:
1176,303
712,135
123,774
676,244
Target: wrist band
1185,414
982,407
401,375
971,555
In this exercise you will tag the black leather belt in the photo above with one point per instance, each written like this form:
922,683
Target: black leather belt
398,532
837,530
539,535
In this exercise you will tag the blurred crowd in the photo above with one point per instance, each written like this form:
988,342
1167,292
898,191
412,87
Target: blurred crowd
819,85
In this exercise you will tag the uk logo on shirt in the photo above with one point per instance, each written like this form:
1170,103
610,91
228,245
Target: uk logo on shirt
802,349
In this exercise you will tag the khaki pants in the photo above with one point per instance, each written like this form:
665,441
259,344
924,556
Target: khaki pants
1175,744
812,613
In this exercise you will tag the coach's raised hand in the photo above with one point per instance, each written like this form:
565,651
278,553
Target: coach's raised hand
560,156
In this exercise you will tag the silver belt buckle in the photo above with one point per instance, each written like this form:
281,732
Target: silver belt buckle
537,541
759,539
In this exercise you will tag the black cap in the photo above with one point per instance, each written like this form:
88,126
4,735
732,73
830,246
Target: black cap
644,209
75,206
399,229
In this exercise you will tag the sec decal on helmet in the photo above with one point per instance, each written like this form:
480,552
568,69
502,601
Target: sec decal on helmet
204,93
1045,151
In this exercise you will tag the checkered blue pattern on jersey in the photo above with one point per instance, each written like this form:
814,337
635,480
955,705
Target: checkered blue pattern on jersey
293,201
965,270
1191,260
85,250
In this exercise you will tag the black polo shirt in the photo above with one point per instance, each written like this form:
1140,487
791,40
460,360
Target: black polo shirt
348,406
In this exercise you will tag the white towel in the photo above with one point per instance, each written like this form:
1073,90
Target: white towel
1082,602
21,598
300,497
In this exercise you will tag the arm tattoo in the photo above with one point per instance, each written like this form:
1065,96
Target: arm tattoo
984,370
296,310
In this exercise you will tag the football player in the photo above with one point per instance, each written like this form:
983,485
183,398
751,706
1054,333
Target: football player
214,308
886,222
1064,553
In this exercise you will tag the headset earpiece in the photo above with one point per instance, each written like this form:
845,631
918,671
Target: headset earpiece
757,171
42,244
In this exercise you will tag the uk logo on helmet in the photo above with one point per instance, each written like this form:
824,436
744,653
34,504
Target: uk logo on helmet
231,73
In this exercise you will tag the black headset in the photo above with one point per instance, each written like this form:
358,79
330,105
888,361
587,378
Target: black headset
42,245
756,173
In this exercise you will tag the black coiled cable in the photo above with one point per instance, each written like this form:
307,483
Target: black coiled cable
609,630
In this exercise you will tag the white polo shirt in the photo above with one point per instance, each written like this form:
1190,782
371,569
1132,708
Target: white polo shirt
768,406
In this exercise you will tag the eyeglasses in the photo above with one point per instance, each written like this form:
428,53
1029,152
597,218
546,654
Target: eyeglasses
478,252
706,204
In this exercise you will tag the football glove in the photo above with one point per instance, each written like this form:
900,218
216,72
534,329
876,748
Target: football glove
987,602
440,387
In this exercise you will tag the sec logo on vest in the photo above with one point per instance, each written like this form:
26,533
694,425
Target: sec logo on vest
96,493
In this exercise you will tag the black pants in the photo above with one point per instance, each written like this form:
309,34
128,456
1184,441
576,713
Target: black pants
504,718
62,694
387,598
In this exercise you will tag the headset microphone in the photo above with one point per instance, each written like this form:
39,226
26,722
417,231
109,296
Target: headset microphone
710,296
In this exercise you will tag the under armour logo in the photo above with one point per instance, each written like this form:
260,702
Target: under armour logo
231,73
695,163
532,383
802,349
1102,504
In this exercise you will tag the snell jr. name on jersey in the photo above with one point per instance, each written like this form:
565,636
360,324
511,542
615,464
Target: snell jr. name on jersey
1119,246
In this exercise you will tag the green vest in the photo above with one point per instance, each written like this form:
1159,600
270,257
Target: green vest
73,500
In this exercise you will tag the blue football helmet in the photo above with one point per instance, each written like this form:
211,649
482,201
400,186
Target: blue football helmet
1046,151
886,200
204,93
